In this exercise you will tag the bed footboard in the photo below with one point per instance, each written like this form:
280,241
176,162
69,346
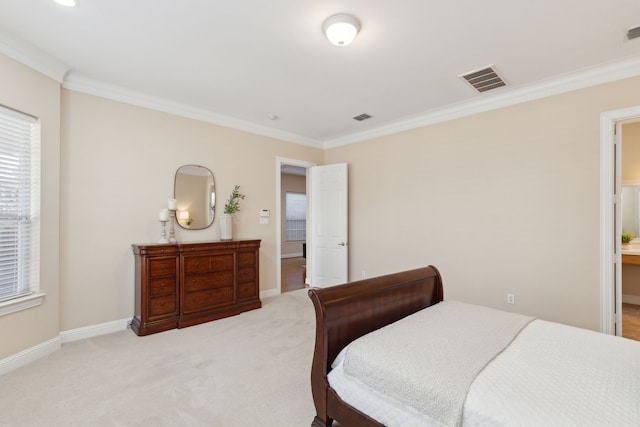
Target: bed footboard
346,312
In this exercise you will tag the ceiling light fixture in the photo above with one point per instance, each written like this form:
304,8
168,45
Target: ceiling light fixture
341,29
68,3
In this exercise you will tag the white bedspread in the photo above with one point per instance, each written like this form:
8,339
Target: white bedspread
551,375
428,360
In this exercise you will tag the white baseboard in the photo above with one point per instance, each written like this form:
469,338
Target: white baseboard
30,355
631,299
44,349
95,330
298,255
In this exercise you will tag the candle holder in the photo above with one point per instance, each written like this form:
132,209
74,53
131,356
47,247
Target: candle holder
172,230
163,233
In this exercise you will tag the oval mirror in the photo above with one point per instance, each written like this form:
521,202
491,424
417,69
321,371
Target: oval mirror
195,195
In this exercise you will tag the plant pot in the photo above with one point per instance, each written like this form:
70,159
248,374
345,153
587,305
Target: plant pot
226,227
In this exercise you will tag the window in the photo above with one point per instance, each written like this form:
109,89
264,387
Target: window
19,205
296,216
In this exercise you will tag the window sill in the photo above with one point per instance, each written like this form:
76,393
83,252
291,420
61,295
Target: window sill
22,303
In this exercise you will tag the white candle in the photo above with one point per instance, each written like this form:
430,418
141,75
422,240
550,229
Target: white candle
172,204
164,215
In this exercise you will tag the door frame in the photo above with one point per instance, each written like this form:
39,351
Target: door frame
281,161
610,259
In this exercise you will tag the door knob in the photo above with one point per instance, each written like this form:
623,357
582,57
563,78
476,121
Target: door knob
342,244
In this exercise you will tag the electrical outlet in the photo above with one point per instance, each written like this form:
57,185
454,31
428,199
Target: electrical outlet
511,299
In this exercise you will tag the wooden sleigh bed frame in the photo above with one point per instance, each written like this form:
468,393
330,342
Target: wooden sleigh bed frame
349,311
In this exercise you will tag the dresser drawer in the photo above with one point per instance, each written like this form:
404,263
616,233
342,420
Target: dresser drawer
222,262
197,264
162,267
247,290
162,306
246,258
162,286
247,274
196,301
194,283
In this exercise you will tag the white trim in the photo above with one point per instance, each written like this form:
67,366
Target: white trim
29,355
95,330
41,350
79,83
22,303
285,256
280,161
608,244
592,76
33,57
631,299
50,66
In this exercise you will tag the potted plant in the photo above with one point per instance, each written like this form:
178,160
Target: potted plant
626,239
232,206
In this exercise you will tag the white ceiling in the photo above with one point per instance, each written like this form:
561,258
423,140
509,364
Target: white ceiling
236,62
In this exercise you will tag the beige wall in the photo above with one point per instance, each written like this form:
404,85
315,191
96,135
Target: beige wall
118,166
296,184
501,202
25,90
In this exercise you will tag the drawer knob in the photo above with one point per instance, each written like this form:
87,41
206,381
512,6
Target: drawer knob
193,281
162,285
164,267
198,264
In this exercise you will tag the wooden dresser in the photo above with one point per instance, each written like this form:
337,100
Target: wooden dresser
183,284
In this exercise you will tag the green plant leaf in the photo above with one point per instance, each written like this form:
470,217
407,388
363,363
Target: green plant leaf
233,202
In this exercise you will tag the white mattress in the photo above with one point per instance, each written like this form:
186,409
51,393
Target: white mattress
551,375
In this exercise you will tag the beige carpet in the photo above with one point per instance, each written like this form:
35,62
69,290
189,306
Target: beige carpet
247,370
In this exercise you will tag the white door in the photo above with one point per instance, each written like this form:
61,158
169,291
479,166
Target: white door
327,250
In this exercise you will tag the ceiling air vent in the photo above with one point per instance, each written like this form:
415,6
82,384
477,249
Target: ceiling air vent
633,33
484,79
362,117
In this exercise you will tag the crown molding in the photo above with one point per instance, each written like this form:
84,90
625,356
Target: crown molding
79,83
33,57
57,70
592,76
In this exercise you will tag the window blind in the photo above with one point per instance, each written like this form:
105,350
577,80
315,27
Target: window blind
19,204
296,216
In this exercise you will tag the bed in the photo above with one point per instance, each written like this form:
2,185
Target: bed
542,373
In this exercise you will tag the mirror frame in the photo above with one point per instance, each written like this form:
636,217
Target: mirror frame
194,203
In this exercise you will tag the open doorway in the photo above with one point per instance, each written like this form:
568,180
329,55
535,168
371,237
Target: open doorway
291,219
630,212
611,297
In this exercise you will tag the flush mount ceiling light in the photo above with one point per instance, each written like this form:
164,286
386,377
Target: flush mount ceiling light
341,29
68,3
